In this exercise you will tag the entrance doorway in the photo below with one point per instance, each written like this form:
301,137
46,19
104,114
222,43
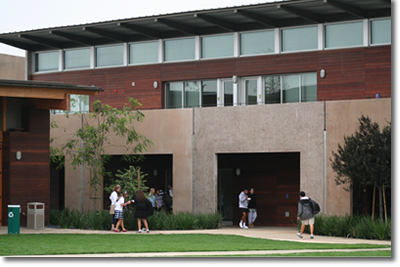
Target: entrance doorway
275,178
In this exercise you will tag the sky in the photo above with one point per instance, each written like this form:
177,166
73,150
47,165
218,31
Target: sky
22,15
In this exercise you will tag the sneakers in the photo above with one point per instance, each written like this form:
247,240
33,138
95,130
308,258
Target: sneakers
241,224
311,236
299,235
139,231
147,231
244,226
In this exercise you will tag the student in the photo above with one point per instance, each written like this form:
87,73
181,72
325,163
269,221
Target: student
243,208
159,200
305,214
152,198
142,205
113,198
252,208
119,215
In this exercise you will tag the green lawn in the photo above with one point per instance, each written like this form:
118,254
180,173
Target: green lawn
51,244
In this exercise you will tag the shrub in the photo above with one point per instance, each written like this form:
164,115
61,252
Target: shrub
184,221
78,220
65,218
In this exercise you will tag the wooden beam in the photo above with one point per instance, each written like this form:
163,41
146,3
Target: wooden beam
4,114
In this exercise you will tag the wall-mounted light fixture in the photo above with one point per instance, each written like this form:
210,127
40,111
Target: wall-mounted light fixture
322,73
155,172
18,155
234,78
237,171
155,84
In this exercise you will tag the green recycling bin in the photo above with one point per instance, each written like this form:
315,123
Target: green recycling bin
13,219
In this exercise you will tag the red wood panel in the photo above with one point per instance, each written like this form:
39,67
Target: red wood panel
355,73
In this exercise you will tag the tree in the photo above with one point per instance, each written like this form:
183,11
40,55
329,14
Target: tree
88,144
365,158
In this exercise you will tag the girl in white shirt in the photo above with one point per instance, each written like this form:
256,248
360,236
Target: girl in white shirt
119,215
113,198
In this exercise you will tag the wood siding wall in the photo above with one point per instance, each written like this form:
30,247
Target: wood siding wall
27,180
357,73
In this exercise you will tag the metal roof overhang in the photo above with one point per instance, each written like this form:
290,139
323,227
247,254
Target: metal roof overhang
44,95
202,22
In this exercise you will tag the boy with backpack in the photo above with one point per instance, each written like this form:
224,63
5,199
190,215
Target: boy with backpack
305,213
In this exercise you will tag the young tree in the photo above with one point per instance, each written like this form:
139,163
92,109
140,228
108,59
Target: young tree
88,144
365,158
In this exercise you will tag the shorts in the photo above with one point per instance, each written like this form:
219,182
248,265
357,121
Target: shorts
119,215
307,222
241,210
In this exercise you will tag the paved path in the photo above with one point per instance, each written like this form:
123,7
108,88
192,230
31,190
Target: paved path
275,233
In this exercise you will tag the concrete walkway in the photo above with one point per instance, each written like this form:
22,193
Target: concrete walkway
275,233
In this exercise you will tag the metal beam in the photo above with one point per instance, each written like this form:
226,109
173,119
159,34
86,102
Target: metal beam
218,22
301,13
108,34
141,30
72,37
16,44
42,41
347,8
178,26
257,18
389,2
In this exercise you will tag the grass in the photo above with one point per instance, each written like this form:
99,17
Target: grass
53,244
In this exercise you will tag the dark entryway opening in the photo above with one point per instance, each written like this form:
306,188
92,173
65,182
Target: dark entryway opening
275,178
157,167
57,186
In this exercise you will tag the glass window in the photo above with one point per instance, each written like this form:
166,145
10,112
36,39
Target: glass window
272,89
251,92
228,93
143,53
290,88
209,93
217,46
381,31
297,39
253,43
174,95
181,49
192,94
344,34
79,103
46,61
110,56
75,59
308,87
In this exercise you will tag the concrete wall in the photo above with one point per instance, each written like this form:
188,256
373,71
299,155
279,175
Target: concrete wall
264,128
342,119
12,67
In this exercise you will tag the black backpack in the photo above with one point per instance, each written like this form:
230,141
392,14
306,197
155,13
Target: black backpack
315,207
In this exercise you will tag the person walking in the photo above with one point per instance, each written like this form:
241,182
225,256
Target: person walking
119,215
243,208
113,198
305,214
252,214
142,206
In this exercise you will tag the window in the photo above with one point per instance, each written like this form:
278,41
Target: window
254,43
308,87
78,103
140,53
344,34
180,49
298,39
209,93
75,59
290,88
217,46
174,95
381,31
192,94
110,56
272,90
46,61
251,92
228,93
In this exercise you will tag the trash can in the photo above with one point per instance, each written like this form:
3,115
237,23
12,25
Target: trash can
13,219
35,218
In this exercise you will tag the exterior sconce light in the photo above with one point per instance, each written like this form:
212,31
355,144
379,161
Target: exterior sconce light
322,73
155,172
234,78
237,171
155,84
18,155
